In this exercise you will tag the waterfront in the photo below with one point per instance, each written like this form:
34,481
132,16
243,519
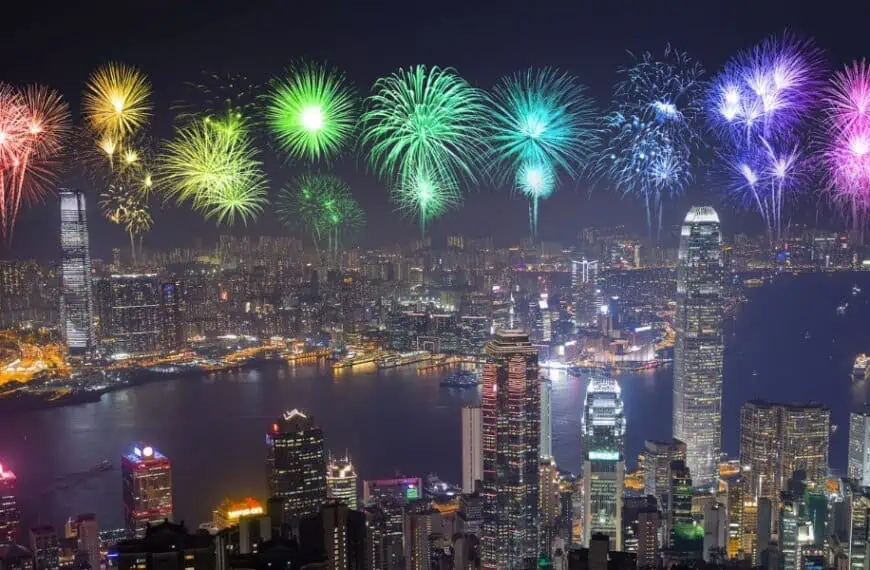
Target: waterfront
788,343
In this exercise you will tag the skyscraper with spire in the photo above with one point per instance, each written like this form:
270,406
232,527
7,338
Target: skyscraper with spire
697,418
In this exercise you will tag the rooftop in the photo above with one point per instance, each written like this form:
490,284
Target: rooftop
702,214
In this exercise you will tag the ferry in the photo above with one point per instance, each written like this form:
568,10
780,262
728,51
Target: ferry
860,368
461,379
403,359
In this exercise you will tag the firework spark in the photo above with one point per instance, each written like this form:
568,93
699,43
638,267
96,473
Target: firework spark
216,169
122,203
216,94
426,197
117,101
312,111
422,125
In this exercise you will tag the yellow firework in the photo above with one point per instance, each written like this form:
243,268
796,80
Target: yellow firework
117,100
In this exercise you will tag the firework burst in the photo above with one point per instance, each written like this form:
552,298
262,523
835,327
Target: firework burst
117,101
124,204
426,197
422,125
653,129
216,94
215,168
311,111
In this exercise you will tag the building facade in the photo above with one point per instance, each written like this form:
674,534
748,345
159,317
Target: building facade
10,515
859,447
146,476
297,464
472,447
76,298
510,403
341,482
697,418
135,313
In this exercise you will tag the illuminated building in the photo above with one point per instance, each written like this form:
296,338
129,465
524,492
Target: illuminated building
698,351
655,460
146,476
510,402
734,486
684,533
76,299
164,546
135,313
584,281
341,534
550,505
88,539
778,439
749,544
546,445
341,482
603,443
171,317
403,489
229,512
418,529
640,524
859,510
297,464
472,452
10,516
788,533
859,447
45,547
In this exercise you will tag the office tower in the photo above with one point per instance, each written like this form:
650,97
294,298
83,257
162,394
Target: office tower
584,277
550,506
76,299
339,532
735,486
632,507
859,447
698,351
418,528
749,544
229,512
472,447
715,532
146,476
341,482
511,409
656,458
135,313
45,547
10,516
88,539
778,439
648,523
165,546
764,528
171,317
297,464
682,533
546,445
858,509
603,441
788,533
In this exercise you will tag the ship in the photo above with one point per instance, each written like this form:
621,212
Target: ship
859,369
461,379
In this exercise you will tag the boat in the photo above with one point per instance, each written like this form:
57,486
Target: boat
860,368
461,379
841,310
855,290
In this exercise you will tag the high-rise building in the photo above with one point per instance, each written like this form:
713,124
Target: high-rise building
297,464
603,441
546,446
229,512
656,458
788,533
164,546
682,530
778,439
171,316
76,299
146,476
46,548
698,351
859,447
135,313
858,526
472,447
10,515
88,539
341,482
735,487
511,407
584,277
339,532
418,528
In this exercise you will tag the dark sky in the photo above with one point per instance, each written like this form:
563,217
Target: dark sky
173,41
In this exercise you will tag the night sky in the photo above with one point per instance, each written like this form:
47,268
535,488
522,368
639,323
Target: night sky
173,41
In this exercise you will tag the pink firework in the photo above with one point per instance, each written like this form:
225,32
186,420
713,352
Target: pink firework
847,142
13,146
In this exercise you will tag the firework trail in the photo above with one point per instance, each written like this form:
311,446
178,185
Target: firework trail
312,111
424,131
322,206
846,144
653,130
543,120
212,164
758,107
536,180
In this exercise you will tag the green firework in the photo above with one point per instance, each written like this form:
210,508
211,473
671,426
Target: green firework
424,120
212,164
311,111
536,180
426,196
322,206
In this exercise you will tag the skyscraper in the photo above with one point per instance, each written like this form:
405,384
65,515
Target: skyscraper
546,446
76,299
146,476
297,464
511,435
171,317
656,458
88,539
584,277
698,351
341,482
472,452
10,516
859,447
135,313
603,440
759,454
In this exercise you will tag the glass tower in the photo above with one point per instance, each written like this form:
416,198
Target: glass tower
603,440
859,447
147,488
511,407
698,352
297,464
76,299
